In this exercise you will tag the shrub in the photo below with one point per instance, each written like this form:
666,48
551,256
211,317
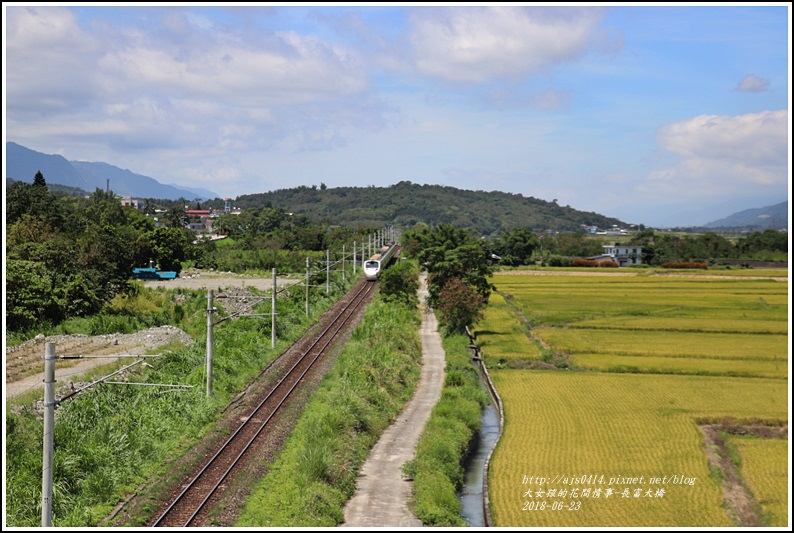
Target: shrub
685,264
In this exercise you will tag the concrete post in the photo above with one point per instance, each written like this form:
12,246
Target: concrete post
210,309
273,343
307,286
49,434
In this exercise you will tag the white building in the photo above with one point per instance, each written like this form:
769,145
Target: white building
624,254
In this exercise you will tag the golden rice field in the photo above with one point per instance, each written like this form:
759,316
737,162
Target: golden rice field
561,423
649,356
740,346
763,469
702,325
501,333
681,365
563,300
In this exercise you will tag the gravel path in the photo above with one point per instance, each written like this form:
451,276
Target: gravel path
382,495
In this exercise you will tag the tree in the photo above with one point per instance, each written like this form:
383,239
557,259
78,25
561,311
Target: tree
24,198
400,282
455,258
516,246
459,306
169,247
175,216
28,293
38,180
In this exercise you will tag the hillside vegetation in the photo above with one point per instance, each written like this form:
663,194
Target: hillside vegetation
407,204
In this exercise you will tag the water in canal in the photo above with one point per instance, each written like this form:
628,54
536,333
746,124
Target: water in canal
471,502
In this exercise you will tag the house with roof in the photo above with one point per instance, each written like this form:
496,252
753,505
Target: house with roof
622,254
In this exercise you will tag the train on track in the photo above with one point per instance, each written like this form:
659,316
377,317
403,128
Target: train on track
380,260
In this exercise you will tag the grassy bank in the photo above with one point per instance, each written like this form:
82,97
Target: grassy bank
437,469
111,438
373,377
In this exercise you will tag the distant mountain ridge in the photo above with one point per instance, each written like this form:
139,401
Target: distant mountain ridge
22,164
771,217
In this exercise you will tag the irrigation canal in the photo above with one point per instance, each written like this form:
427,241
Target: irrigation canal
471,496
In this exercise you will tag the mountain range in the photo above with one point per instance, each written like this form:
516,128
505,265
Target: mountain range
22,164
771,217
403,204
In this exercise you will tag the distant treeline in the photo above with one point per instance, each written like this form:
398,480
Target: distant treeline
522,247
68,255
407,204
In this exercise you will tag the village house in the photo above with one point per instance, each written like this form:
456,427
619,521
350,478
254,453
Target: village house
622,254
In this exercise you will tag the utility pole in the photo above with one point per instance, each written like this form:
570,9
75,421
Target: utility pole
49,434
274,310
327,271
307,286
344,274
210,309
354,258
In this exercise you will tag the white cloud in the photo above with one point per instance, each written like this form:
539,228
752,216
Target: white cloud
722,156
752,84
49,59
476,44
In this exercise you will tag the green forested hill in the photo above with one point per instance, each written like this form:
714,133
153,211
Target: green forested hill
406,204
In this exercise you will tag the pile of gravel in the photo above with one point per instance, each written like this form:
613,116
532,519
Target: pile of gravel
148,338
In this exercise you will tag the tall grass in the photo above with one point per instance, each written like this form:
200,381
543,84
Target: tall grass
372,379
437,469
111,438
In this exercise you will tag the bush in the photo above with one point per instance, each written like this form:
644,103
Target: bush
584,263
557,261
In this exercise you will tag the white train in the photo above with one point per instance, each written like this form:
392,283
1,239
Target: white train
379,261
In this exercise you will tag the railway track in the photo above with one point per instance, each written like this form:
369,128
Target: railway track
192,504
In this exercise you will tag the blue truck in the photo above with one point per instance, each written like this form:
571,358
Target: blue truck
152,273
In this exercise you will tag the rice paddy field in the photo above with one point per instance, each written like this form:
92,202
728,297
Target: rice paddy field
762,464
649,358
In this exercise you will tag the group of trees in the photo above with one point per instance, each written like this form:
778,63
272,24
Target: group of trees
520,246
66,256
406,204
458,266
660,248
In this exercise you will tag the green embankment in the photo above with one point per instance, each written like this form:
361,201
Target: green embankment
373,377
437,469
111,439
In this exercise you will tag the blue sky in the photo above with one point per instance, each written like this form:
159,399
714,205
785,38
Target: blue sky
664,115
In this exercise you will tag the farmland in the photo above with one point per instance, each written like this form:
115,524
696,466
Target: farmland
648,358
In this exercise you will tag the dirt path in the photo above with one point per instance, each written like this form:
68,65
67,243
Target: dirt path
382,495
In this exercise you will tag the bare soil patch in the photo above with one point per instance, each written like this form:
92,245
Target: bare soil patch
208,279
739,502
